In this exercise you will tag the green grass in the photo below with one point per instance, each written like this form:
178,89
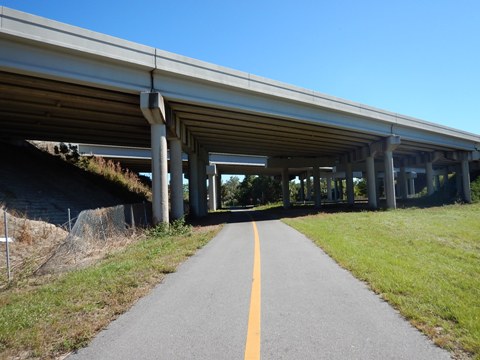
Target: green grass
425,262
63,313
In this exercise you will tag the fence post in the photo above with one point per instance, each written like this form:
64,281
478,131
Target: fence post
145,213
132,216
7,250
69,222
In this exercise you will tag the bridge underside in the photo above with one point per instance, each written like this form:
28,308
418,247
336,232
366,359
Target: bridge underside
59,83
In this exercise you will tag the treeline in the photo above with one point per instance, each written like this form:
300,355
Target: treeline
252,190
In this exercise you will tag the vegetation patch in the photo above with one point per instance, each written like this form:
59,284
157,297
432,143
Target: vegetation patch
56,314
425,262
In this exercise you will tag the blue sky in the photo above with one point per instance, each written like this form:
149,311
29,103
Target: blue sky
417,58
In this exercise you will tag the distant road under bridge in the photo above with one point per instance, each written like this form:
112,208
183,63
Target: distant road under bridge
63,83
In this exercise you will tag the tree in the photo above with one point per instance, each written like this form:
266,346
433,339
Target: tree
361,188
230,190
259,190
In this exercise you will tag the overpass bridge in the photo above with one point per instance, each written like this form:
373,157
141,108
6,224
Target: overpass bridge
63,83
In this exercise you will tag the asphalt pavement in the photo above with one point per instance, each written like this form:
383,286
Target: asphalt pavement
310,307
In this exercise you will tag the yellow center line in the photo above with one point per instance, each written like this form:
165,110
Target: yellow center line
252,347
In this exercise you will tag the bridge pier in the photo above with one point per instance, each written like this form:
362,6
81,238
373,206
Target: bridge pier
402,182
302,189
467,194
371,182
202,185
349,181
218,187
309,186
193,188
285,188
153,109
176,181
212,187
316,187
329,187
429,177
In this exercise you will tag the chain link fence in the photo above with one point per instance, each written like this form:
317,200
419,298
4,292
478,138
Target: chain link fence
95,232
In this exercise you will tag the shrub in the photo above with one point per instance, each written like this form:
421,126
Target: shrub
177,227
475,186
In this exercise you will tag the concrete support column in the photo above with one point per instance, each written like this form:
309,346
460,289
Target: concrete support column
371,182
467,194
302,189
153,109
445,179
429,177
309,185
411,181
219,191
389,180
340,188
212,187
193,190
159,173
176,178
403,184
458,179
202,185
329,187
316,187
349,181
335,189
285,188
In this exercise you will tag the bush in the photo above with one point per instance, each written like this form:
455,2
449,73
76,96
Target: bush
177,227
475,186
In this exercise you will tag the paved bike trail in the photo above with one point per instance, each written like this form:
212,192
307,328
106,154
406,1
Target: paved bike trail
310,307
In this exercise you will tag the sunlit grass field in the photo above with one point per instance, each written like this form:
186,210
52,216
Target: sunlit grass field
425,262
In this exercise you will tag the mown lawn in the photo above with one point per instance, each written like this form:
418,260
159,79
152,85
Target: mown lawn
425,262
53,316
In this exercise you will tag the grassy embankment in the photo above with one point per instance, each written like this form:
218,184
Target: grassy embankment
425,262
51,316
